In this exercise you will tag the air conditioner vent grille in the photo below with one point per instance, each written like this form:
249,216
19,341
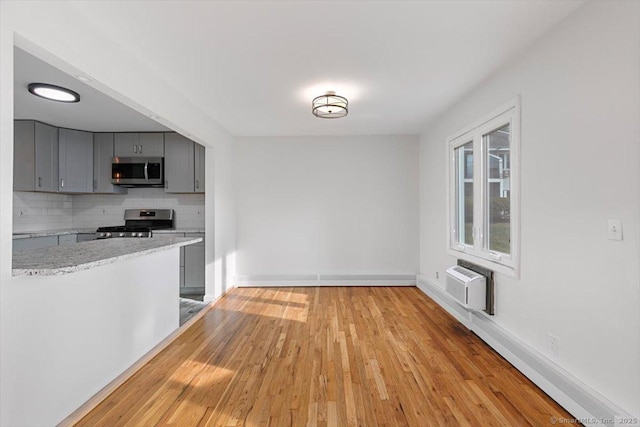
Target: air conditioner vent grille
467,287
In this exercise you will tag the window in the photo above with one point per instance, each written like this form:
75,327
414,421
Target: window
483,193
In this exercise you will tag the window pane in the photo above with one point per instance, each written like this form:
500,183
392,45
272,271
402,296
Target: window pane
498,190
464,193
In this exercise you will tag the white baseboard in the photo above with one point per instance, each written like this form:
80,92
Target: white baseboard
212,299
326,280
584,403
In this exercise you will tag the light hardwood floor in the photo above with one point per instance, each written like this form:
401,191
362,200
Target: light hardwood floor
339,356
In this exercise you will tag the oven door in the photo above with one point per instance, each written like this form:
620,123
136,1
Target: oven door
137,171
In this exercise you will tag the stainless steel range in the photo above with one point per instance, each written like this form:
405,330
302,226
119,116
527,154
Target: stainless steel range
138,223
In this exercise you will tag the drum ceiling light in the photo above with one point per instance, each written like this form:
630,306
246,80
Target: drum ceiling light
53,92
330,106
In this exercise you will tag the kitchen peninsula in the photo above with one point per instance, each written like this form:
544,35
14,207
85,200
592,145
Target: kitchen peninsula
59,260
101,305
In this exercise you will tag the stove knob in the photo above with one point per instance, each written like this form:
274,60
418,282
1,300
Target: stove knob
103,234
121,234
108,235
139,234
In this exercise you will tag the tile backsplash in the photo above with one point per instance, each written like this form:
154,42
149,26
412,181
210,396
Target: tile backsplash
96,210
49,211
41,211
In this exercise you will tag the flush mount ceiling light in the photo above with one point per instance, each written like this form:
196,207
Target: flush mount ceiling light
330,106
54,93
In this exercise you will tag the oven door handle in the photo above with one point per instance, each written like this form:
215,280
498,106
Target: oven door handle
146,171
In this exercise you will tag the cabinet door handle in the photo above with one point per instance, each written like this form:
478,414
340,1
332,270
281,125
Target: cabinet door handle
62,183
39,181
166,184
135,148
197,183
146,171
140,149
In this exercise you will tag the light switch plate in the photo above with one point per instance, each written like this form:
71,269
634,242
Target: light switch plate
614,229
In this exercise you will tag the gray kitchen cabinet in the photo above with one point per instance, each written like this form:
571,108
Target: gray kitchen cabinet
102,156
151,144
67,239
86,237
24,155
134,144
178,164
193,266
35,242
35,166
200,159
75,161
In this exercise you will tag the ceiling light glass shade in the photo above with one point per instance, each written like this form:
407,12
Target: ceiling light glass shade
330,106
54,93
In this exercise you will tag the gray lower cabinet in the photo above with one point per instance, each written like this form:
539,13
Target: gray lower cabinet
86,237
143,144
178,164
102,156
76,161
192,267
200,159
35,161
35,242
67,239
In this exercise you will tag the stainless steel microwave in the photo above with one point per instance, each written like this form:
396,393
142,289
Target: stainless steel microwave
137,171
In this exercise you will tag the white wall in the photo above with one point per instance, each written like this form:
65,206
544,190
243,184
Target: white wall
327,205
63,34
580,88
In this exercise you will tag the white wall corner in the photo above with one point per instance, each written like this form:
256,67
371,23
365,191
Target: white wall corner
584,403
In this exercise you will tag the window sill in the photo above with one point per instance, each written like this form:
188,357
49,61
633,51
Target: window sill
509,271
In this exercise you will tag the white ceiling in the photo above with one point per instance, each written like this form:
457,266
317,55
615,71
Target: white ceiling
95,112
255,65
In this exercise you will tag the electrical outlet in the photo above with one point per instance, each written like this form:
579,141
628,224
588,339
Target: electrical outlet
554,345
614,228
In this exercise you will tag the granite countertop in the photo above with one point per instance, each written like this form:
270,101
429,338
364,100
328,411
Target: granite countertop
59,260
46,233
61,232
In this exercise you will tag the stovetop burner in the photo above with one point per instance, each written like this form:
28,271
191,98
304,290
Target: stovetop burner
138,223
122,228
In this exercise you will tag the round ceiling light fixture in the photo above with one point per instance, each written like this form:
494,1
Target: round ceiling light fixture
330,106
53,92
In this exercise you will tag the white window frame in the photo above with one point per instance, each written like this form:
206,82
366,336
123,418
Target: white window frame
509,264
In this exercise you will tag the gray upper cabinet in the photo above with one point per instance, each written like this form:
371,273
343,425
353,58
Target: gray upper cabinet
76,161
178,164
126,144
35,158
24,155
199,168
133,144
102,155
151,144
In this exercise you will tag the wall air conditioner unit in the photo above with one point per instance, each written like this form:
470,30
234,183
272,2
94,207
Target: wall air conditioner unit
467,287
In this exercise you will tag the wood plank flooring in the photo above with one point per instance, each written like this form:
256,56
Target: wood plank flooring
333,356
